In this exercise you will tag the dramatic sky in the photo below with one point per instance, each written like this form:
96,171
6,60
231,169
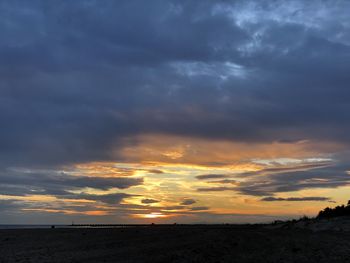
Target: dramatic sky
173,111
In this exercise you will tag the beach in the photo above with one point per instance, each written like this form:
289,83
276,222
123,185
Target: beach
174,244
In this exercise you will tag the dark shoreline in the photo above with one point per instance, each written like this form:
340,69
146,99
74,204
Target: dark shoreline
233,243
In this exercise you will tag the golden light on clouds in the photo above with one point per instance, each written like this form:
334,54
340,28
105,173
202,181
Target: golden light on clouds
218,177
99,169
197,151
67,212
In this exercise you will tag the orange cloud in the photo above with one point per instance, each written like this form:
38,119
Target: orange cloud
197,151
100,169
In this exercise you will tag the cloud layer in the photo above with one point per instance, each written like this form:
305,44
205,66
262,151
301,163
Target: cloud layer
79,76
85,81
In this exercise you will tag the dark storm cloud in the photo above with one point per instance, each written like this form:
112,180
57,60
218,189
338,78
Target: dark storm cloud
296,199
77,76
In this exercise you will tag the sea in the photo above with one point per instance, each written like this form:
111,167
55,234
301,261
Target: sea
33,226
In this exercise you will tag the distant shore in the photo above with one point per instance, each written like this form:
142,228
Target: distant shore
46,226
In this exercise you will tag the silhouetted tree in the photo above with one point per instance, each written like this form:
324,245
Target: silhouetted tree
335,212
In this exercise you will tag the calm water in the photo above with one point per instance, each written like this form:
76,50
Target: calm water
31,226
56,226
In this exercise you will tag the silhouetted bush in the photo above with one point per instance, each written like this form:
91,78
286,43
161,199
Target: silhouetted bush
304,218
340,210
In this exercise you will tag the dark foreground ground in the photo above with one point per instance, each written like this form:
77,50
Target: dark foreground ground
174,244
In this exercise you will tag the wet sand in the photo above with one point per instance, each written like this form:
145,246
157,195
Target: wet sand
174,244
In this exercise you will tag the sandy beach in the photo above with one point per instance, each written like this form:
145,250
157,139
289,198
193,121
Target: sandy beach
174,244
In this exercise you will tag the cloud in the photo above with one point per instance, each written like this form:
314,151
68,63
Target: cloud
289,178
42,182
225,181
211,176
9,205
293,166
332,176
199,208
296,199
188,202
155,171
100,83
173,207
149,201
104,198
215,189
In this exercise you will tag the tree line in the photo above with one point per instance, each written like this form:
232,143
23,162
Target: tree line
340,210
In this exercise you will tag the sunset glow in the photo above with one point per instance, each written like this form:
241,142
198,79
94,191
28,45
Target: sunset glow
186,112
153,215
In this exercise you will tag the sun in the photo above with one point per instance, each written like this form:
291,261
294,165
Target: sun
154,215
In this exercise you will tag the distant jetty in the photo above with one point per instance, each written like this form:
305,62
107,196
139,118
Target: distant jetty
159,225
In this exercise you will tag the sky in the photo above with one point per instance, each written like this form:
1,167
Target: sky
171,111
